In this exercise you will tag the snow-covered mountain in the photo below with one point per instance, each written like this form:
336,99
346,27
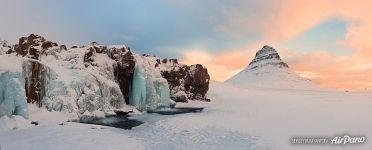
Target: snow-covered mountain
92,80
267,70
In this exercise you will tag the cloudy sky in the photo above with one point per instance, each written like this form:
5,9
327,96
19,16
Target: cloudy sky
329,41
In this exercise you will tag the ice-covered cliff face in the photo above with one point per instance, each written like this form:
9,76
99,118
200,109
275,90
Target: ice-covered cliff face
96,80
86,82
80,81
267,70
66,83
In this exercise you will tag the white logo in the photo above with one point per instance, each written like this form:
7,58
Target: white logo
346,139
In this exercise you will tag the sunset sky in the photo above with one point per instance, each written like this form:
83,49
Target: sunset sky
328,41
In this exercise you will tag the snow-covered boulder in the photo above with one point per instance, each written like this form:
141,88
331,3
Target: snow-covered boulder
5,47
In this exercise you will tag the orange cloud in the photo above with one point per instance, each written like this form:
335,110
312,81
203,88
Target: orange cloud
335,71
233,59
218,67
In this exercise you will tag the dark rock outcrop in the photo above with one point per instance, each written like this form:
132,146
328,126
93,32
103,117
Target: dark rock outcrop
185,82
35,74
88,59
124,73
198,82
62,48
33,46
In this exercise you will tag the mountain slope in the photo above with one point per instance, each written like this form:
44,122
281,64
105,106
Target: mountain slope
267,70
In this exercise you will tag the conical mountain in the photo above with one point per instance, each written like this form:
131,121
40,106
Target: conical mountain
267,70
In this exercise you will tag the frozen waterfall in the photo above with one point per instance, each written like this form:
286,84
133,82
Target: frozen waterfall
149,89
12,94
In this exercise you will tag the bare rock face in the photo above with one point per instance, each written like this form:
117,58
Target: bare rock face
198,82
35,74
185,82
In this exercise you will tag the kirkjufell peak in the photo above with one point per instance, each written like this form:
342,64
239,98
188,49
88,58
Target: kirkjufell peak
268,70
267,56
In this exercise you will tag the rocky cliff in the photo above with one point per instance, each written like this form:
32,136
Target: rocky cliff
96,79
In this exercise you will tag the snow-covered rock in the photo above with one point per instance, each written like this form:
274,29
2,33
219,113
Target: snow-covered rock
267,70
33,46
5,47
96,80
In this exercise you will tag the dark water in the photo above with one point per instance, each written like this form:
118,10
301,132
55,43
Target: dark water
177,110
122,119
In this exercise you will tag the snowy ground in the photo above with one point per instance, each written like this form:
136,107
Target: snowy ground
235,119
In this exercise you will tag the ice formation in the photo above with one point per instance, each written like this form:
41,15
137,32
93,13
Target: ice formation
60,83
149,89
12,94
76,90
12,91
